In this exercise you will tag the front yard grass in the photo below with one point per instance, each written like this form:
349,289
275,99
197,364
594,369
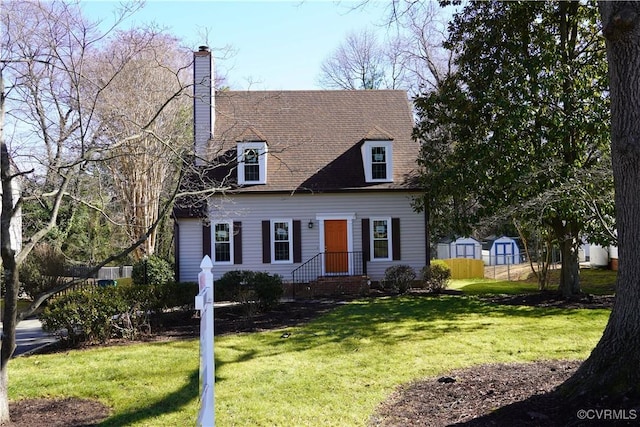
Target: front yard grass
333,371
592,281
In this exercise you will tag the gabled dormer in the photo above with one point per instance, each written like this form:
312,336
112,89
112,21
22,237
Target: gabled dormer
252,158
377,156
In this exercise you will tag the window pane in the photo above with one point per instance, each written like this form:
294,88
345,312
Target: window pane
222,242
381,249
378,171
380,239
251,164
251,156
251,172
281,239
378,154
378,163
281,231
223,252
222,232
379,229
281,251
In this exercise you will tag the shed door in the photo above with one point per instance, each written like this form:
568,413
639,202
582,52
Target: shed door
335,246
504,253
465,250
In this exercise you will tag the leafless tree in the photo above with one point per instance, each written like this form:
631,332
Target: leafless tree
142,165
60,78
355,64
410,56
425,60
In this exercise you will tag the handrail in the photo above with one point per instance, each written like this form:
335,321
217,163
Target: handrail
299,275
341,264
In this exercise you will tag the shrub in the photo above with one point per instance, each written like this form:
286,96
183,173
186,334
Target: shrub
152,271
42,270
181,295
399,277
249,287
84,315
436,276
123,311
134,317
267,289
227,287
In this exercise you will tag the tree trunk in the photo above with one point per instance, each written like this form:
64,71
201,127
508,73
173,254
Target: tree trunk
612,370
570,272
570,267
9,270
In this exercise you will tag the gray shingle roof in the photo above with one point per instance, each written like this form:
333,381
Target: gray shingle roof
314,137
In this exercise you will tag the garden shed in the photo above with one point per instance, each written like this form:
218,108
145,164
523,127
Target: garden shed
501,251
462,247
603,257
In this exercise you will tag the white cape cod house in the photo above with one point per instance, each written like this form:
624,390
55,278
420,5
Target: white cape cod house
319,183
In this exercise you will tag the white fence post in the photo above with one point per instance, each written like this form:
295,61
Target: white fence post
204,303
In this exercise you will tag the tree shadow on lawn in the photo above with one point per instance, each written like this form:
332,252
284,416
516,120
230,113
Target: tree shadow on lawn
381,317
171,403
389,319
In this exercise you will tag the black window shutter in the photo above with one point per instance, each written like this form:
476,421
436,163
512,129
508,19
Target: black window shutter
366,243
237,242
206,240
266,242
297,241
395,236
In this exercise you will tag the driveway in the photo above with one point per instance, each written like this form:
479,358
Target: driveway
30,337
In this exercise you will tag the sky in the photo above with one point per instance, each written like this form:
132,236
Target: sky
278,45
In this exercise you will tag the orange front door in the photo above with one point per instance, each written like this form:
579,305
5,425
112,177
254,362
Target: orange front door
335,246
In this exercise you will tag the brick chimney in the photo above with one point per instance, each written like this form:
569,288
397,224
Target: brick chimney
203,102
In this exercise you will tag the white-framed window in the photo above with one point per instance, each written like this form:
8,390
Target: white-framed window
381,243
252,163
377,158
282,241
222,242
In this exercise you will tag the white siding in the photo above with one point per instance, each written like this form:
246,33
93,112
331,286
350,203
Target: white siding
190,244
251,210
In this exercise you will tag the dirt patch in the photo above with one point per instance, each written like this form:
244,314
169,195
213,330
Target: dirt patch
463,396
519,394
554,299
507,272
70,412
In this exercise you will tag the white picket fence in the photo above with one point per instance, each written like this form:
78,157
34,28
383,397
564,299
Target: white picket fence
204,303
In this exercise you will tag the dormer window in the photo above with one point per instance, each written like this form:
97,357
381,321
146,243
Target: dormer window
377,157
252,163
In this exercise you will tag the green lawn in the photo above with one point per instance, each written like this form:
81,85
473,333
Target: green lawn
331,372
592,281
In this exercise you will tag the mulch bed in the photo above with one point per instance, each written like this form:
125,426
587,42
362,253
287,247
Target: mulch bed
69,412
523,393
553,299
470,397
518,394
